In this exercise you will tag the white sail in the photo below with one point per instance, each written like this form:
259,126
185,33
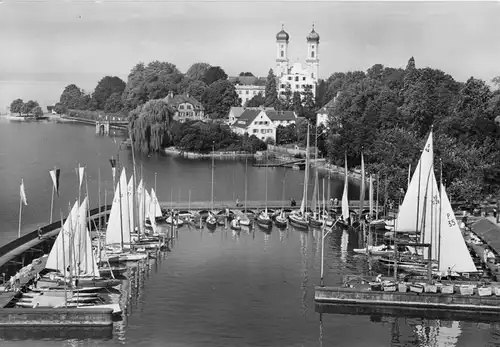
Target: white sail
131,205
429,217
454,253
119,223
84,258
345,199
156,204
148,204
152,210
413,203
370,194
61,253
306,177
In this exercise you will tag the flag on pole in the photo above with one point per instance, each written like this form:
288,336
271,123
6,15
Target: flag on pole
23,193
55,179
81,170
113,167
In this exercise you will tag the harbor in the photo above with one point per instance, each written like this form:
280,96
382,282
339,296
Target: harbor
213,259
437,264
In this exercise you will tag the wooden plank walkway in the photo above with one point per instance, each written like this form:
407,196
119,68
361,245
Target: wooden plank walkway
253,205
7,297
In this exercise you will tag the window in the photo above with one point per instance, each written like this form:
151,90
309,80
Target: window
265,123
303,78
246,92
312,54
289,78
282,54
312,46
297,86
188,107
282,86
312,75
255,131
296,78
181,107
262,131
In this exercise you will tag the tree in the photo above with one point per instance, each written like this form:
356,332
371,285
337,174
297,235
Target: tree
37,111
197,71
256,101
271,90
16,106
297,104
74,98
214,74
60,108
153,81
219,97
248,74
27,107
114,103
287,101
104,89
309,104
150,125
196,89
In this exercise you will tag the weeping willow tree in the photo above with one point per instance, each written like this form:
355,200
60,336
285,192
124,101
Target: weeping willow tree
150,125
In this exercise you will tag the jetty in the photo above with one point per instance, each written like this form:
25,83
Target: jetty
253,205
25,252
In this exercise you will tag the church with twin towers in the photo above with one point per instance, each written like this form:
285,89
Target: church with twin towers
294,75
290,75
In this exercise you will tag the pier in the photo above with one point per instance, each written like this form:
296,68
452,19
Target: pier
21,253
253,205
102,126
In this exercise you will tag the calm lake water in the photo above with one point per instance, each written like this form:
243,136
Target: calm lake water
212,289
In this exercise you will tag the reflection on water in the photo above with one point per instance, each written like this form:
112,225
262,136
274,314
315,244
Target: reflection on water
303,252
56,333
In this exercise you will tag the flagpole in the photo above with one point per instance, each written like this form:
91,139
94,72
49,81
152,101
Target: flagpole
20,213
51,204
52,199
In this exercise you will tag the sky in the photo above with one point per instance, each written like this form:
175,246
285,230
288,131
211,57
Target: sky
53,43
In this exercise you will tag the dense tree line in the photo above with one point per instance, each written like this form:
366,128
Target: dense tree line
200,137
29,108
387,114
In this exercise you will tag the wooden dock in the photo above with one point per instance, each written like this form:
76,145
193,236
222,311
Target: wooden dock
252,205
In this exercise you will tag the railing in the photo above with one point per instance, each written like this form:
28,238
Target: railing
46,229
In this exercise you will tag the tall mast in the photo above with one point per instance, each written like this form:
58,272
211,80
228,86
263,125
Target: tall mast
267,169
246,181
440,210
213,165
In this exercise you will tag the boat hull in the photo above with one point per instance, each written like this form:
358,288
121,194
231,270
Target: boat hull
298,222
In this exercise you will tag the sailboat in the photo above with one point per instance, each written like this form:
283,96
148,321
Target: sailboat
280,220
316,219
211,220
118,231
436,224
242,216
298,218
345,219
263,218
76,254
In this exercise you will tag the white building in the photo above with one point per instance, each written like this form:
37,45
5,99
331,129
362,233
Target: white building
246,92
295,76
236,112
322,114
255,122
262,122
